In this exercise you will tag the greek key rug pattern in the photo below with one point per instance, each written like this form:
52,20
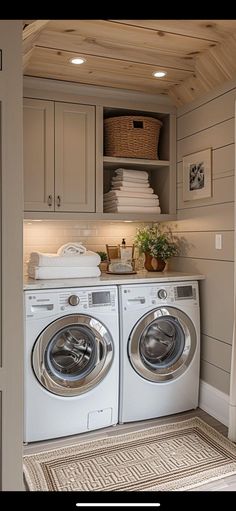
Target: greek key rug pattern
176,456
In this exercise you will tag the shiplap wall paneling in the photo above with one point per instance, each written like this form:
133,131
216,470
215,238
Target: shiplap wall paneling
219,135
210,123
207,115
216,293
216,218
222,163
215,376
216,352
201,245
222,192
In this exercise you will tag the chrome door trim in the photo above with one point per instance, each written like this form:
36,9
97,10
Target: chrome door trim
105,354
180,366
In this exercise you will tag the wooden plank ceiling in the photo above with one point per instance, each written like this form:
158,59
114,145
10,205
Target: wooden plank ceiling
197,55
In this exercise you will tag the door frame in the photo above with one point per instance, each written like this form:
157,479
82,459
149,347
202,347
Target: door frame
232,395
11,267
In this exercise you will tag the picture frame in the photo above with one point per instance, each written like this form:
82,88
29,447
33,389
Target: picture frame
197,175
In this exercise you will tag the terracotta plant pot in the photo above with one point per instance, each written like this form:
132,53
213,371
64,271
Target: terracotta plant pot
153,263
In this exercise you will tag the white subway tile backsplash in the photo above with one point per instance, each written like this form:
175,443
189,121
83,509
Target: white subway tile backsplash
48,236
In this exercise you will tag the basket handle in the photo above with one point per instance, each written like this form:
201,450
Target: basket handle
138,124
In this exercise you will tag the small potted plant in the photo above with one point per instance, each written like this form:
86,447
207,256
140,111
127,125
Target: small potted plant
104,261
157,245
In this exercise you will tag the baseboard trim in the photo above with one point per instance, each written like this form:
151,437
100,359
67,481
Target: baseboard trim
214,402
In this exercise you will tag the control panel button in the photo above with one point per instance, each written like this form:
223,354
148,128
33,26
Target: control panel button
73,300
162,294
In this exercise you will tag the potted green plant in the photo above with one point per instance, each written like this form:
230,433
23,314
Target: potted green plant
157,245
104,261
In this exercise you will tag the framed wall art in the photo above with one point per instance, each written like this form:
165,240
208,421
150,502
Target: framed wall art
197,175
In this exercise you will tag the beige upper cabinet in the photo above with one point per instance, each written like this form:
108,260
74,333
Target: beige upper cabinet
74,157
38,136
59,156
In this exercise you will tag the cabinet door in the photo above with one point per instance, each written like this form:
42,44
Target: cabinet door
38,135
74,157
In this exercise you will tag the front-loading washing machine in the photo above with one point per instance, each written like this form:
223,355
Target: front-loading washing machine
71,361
160,349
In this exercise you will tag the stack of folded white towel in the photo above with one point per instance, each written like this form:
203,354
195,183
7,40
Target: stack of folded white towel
71,261
131,193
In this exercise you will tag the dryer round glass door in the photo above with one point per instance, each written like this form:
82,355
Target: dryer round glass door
72,355
162,344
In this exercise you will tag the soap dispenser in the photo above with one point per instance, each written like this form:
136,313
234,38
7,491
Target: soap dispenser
124,251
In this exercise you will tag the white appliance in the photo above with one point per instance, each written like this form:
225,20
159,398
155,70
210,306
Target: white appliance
160,350
71,361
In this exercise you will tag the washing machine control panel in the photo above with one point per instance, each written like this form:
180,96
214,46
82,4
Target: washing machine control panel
85,300
40,304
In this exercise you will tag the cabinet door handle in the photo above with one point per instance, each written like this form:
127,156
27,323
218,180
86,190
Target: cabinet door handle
50,200
58,201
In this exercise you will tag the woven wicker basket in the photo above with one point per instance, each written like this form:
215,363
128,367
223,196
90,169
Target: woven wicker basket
132,136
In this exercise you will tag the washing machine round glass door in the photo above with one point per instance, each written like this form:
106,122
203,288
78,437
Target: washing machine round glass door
72,355
162,344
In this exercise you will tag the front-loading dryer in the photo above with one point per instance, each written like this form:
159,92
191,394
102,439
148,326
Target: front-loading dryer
160,350
71,361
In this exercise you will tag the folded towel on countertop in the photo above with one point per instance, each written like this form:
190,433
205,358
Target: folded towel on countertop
89,259
71,249
50,272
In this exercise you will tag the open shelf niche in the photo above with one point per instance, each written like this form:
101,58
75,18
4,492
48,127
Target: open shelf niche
162,173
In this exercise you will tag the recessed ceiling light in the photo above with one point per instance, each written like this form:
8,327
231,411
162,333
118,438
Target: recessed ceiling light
77,60
159,74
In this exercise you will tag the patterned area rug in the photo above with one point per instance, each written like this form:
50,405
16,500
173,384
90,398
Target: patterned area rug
176,456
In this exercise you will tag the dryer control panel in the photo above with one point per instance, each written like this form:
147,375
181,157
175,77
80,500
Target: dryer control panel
147,296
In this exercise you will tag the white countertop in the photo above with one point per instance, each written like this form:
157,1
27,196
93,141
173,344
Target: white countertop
142,277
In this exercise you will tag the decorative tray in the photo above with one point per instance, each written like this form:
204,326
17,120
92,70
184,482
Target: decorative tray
121,272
